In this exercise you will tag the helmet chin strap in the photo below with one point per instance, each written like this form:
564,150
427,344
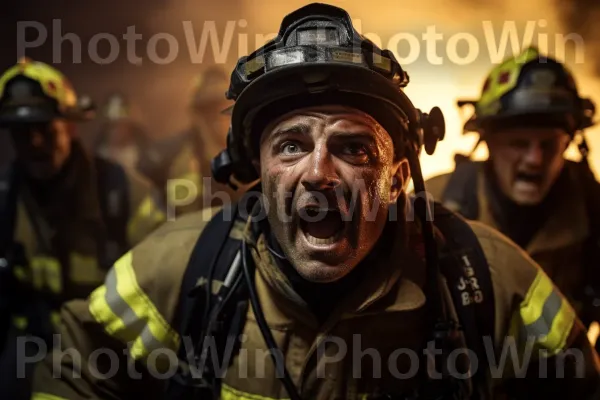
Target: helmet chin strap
424,214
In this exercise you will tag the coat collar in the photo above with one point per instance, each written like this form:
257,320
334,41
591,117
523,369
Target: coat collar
396,276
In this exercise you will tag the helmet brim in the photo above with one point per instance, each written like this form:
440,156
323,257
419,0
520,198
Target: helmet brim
554,116
296,86
27,115
34,114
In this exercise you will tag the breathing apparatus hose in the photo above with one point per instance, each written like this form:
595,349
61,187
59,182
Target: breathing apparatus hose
423,212
276,355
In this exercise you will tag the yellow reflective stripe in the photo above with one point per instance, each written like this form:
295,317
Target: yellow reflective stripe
21,274
20,323
47,273
128,314
147,216
46,396
532,306
55,318
229,393
547,316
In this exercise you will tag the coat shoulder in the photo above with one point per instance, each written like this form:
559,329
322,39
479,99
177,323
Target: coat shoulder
436,185
154,269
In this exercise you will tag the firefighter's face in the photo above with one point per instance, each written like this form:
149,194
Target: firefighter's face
329,176
527,161
43,148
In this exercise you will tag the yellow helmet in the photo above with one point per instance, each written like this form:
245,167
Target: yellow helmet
36,92
530,89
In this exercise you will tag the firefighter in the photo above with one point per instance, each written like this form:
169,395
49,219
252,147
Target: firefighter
65,215
122,138
528,114
324,263
184,159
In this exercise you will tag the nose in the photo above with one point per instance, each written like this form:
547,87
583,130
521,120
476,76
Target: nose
321,174
535,154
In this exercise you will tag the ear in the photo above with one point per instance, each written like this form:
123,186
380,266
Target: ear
400,180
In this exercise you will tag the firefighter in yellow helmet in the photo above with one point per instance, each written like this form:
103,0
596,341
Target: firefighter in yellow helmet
65,215
180,165
529,112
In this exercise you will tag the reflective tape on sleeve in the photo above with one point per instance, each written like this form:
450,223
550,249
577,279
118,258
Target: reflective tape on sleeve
546,315
46,396
127,313
229,393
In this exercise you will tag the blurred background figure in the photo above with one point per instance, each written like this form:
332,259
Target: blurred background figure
122,137
186,156
529,112
65,216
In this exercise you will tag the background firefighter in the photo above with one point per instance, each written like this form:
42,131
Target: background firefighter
529,111
187,155
65,215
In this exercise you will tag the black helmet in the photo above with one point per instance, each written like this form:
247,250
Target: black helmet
318,58
36,92
531,90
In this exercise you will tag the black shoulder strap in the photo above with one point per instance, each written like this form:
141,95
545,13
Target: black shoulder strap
113,189
209,264
465,267
591,250
461,188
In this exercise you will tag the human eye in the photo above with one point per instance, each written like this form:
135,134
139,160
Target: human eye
290,148
355,149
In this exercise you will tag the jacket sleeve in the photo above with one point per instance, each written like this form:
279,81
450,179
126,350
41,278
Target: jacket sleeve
121,342
541,348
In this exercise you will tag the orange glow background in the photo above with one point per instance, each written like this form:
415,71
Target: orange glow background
442,85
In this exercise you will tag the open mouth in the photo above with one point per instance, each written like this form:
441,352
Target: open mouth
321,226
532,178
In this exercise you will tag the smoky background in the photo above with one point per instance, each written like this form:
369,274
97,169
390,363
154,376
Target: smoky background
160,94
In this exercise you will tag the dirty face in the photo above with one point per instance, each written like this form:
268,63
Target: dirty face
329,176
43,148
527,161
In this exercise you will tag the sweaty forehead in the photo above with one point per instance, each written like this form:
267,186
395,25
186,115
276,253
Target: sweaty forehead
324,116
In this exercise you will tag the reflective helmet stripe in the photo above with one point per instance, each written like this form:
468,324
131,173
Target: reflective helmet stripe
501,80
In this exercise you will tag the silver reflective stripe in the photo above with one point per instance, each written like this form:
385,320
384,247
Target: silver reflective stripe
541,327
131,320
